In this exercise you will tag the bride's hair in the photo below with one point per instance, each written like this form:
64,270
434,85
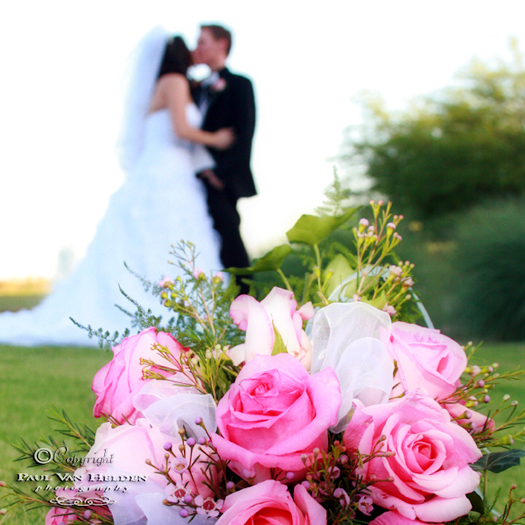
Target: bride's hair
177,57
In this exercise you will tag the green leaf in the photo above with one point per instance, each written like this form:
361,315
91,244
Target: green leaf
379,302
310,229
499,461
367,283
278,344
478,505
341,268
270,262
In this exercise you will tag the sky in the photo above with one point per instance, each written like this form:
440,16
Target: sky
62,86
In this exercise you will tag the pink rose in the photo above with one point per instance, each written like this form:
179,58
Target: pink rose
274,412
476,421
393,518
258,319
269,503
69,499
430,461
117,383
425,359
60,516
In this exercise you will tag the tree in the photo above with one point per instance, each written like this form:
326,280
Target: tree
446,153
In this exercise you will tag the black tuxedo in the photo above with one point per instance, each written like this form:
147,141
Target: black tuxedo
231,105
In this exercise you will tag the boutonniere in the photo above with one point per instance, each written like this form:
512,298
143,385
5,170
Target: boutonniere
219,85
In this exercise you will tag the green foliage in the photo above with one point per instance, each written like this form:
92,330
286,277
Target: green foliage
278,346
311,230
272,261
200,305
499,461
452,151
489,271
337,198
335,258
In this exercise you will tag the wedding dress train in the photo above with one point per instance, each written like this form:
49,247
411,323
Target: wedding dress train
160,203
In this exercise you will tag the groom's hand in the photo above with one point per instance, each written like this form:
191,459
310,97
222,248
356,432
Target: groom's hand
212,179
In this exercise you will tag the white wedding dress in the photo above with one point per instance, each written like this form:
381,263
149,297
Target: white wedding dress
160,203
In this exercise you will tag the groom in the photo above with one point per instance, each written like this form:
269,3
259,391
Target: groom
227,101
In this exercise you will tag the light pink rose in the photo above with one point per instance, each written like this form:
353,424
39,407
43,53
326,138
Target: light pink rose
269,503
274,412
133,451
257,319
117,383
125,448
393,518
430,465
425,359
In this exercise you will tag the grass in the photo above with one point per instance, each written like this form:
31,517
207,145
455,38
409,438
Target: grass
509,356
33,379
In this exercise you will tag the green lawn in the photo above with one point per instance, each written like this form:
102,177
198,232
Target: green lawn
32,379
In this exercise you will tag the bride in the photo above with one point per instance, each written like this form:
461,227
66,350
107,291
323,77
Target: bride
160,203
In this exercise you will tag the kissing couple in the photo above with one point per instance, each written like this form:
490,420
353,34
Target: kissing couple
185,150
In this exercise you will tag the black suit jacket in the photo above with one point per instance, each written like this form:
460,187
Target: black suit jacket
233,107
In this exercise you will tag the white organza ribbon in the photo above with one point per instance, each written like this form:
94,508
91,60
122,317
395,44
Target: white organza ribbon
125,509
348,337
171,410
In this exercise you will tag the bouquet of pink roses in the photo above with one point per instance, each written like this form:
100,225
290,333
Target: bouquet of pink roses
262,412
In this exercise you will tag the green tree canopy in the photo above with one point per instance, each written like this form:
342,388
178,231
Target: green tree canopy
450,151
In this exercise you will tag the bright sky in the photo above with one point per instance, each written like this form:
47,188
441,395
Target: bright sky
60,98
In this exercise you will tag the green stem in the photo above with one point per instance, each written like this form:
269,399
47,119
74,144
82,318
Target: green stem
318,257
285,280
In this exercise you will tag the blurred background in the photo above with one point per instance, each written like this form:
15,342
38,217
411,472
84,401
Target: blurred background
419,102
